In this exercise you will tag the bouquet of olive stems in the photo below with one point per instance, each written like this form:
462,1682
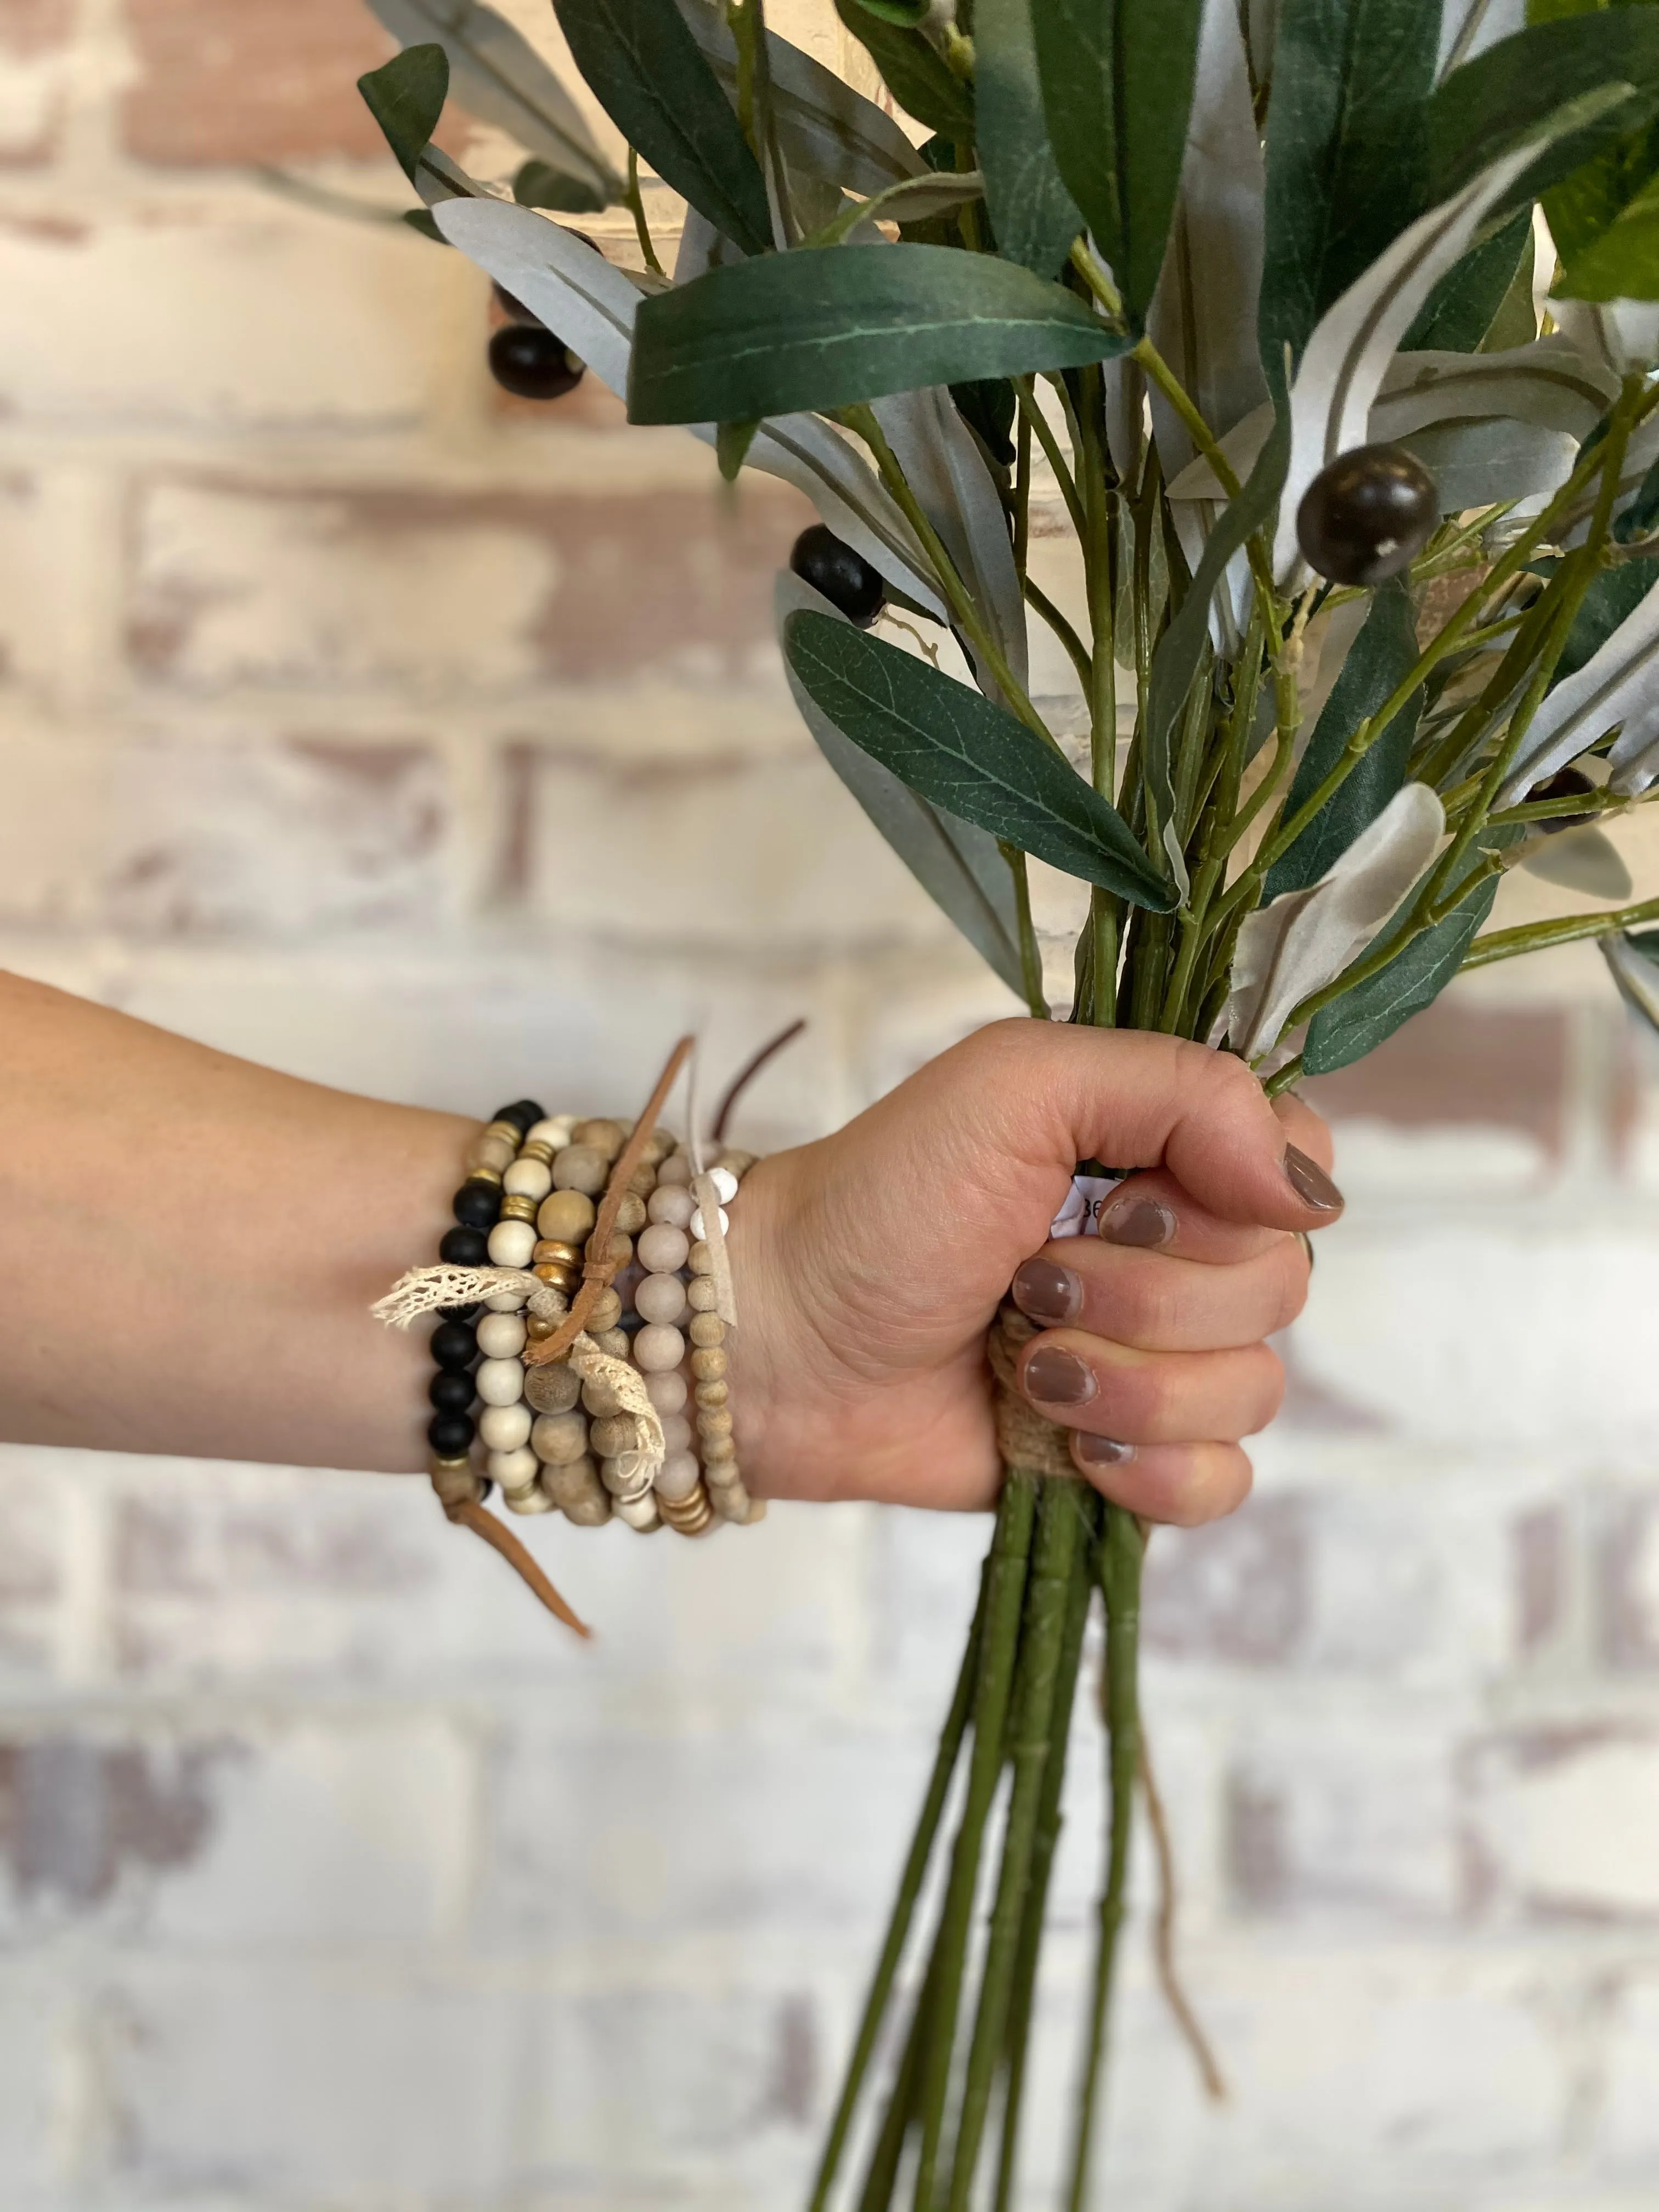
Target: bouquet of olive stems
1327,328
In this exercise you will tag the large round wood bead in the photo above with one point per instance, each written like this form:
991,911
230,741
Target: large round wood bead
604,1313
613,1342
494,1153
604,1136
613,1433
527,1179
554,1131
677,1168
659,1298
507,1301
619,1252
736,1162
663,1248
515,1469
667,1393
678,1475
505,1428
554,1388
512,1242
631,1214
598,1399
633,1483
499,1382
640,1512
568,1216
676,1432
657,1347
658,1147
579,1167
672,1202
709,1366
706,1330
501,1335
574,1487
1367,514
558,1439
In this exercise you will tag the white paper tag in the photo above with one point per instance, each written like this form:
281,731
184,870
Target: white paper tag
1080,1215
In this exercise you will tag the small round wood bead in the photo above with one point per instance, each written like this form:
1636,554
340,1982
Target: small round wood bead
554,1388
574,1487
713,1394
706,1330
556,1439
673,1203
501,1336
532,1499
695,1227
613,1433
725,1182
698,1260
604,1136
454,1343
709,1366
614,1342
604,1313
678,1475
657,1347
492,1151
633,1484
667,1393
659,1298
531,1179
677,1168
554,1131
515,1469
642,1183
641,1512
715,1421
501,1302
567,1215
631,1215
499,1382
450,1390
518,1209
554,1252
663,1248
547,1304
618,1253
676,1432
717,1448
505,1428
579,1167
512,1242
700,1294
658,1147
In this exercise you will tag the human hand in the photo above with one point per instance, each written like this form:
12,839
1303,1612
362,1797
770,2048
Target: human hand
870,1265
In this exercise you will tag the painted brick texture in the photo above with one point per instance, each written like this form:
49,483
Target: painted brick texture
358,719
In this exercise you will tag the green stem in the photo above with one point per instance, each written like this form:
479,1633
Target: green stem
1032,419
1041,1638
1004,1602
1038,599
1570,929
1289,1073
904,1905
1120,1556
1030,952
636,208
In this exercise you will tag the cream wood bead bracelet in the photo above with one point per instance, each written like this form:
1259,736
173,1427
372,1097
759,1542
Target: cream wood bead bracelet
588,1278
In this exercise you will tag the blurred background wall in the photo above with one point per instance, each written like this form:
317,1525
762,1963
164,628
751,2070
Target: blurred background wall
356,718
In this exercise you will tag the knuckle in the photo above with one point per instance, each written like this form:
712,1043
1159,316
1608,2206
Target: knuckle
1269,1388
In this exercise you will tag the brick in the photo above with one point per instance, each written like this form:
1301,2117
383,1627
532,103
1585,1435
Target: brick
188,840
1560,1821
1627,1556
238,584
83,1817
34,38
1539,1541
267,316
259,84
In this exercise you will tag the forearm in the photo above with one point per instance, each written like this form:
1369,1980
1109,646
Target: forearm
189,1247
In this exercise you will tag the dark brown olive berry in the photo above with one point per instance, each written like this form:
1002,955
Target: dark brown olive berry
529,361
1367,514
845,578
1565,783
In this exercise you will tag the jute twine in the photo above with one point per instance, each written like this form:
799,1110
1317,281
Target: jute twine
1024,1438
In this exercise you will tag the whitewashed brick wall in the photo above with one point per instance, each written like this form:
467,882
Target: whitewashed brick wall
356,719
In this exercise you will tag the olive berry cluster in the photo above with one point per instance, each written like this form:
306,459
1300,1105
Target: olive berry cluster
525,357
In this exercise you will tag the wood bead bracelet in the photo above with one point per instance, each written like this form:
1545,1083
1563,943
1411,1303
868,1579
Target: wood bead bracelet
578,1316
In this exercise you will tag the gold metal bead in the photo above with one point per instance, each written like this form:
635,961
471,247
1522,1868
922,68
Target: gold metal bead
515,1208
538,1326
536,1148
508,1130
554,1252
484,1175
559,1278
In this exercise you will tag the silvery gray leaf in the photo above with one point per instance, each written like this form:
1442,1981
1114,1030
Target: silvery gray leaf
1348,354
961,868
438,178
498,75
591,304
953,484
1467,28
703,248
1203,312
1635,973
1125,398
1584,860
1305,940
823,125
915,200
1618,683
1484,464
1624,334
1259,21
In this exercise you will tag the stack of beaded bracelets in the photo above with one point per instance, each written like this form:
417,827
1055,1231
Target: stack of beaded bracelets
551,1437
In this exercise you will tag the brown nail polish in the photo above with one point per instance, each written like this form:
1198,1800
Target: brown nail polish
1310,1182
1058,1378
1139,1221
1100,1451
1046,1292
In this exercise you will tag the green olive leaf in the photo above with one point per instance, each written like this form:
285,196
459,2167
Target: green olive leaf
913,72
1461,310
821,330
406,96
1362,1018
967,756
1034,216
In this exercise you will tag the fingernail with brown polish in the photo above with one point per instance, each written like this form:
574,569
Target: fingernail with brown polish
1057,1377
1046,1292
1310,1182
1101,1451
1139,1221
